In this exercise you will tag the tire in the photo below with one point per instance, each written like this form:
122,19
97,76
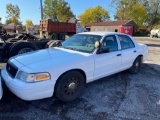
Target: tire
136,66
21,47
54,36
69,86
61,36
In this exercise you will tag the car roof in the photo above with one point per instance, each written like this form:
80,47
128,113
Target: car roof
102,33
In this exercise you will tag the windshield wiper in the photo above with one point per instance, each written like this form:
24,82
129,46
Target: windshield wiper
70,48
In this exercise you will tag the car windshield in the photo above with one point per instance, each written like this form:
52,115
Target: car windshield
81,42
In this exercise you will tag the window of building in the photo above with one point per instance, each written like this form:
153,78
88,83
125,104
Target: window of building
116,30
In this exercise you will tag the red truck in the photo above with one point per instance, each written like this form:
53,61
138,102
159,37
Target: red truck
58,30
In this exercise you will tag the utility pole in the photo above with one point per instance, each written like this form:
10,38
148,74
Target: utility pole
41,33
41,9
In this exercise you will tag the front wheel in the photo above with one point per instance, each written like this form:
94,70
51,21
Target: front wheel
136,66
21,47
69,86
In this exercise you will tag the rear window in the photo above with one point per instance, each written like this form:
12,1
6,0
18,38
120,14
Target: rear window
125,42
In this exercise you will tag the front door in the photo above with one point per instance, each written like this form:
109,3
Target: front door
110,62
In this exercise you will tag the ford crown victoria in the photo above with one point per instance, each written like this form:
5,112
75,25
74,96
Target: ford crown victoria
64,70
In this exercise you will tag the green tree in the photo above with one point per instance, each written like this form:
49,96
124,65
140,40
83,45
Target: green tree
92,15
57,10
153,12
138,14
29,24
0,19
157,26
122,8
13,13
141,11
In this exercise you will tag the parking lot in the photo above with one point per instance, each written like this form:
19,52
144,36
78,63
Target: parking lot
122,96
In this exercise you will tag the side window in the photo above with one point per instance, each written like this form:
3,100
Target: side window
110,42
125,42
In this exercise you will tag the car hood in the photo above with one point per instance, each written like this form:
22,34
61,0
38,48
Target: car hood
52,54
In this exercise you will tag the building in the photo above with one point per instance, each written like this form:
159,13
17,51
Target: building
13,28
111,26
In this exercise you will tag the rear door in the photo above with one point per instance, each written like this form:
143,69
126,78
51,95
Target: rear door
128,50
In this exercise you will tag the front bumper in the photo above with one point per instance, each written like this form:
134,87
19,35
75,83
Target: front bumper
28,91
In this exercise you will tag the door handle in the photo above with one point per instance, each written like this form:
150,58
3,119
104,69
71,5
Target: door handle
119,54
135,51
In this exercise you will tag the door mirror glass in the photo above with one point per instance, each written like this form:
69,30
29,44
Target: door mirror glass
97,44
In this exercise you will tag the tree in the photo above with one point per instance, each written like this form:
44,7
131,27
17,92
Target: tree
153,12
57,10
13,13
13,20
92,15
122,7
29,24
138,14
141,11
157,26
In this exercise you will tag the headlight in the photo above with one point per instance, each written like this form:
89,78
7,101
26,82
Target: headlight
34,77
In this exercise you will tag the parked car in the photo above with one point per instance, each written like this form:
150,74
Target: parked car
31,32
158,34
1,91
65,70
154,33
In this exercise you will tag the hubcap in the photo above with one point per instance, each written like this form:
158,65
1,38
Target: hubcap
137,64
71,86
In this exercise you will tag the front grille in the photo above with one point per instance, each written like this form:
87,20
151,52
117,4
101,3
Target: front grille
11,69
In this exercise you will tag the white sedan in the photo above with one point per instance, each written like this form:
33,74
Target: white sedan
64,70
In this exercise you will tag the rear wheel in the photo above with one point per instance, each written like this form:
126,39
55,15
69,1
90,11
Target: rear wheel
61,36
136,66
54,36
69,86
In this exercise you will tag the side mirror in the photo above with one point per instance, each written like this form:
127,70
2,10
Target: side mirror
97,44
103,50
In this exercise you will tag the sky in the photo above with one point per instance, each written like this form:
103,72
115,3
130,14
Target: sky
30,9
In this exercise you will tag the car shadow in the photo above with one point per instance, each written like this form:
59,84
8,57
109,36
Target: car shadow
153,45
